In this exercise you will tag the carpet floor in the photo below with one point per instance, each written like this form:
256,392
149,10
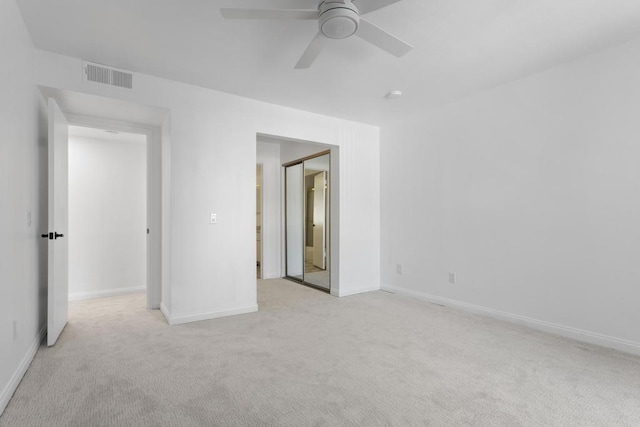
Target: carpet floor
307,358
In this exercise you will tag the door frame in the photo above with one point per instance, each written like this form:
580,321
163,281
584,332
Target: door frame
261,207
154,195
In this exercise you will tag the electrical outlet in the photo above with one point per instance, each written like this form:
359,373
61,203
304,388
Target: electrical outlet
452,278
399,268
15,330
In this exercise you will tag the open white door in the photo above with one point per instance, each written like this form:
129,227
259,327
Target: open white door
58,275
319,216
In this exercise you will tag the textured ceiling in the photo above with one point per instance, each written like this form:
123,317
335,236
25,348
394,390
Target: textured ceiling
461,47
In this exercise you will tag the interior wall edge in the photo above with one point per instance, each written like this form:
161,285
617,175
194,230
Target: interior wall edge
576,334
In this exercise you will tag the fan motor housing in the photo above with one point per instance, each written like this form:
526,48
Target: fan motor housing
338,19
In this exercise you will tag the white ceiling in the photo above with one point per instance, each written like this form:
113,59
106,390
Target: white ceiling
461,47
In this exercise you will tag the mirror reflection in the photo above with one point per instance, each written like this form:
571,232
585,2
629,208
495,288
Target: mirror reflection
316,181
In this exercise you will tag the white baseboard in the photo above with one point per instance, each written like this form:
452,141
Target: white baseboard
78,296
542,325
11,387
188,318
348,292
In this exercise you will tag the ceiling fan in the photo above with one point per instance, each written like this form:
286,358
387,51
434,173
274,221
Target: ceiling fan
337,19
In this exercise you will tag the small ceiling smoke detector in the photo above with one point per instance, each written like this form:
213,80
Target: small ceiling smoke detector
394,94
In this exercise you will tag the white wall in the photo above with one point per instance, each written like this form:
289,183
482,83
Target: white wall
22,210
530,192
268,154
107,216
213,157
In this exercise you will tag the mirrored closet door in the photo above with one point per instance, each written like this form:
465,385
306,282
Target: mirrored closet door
307,220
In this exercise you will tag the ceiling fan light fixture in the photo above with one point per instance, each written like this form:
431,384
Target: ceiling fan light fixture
394,94
338,19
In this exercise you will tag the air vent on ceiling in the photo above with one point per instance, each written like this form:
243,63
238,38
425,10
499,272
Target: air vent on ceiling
101,74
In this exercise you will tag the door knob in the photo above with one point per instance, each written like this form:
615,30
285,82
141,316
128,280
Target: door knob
47,236
58,235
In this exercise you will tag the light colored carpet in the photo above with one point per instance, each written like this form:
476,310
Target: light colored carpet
307,358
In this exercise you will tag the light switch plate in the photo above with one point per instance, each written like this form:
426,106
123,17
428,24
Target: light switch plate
214,218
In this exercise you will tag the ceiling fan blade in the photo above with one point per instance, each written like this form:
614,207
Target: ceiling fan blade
312,51
269,14
366,6
385,41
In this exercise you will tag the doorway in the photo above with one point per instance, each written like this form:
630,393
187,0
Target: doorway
107,235
307,220
65,108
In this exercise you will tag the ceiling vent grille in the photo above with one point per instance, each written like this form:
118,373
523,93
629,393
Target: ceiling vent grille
101,74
